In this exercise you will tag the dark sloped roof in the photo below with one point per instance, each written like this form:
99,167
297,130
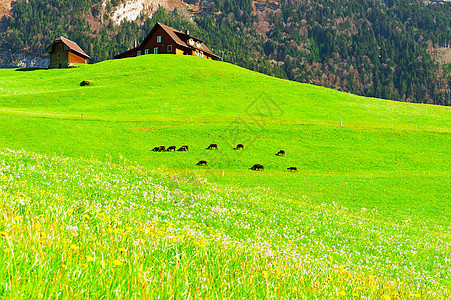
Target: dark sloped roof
72,46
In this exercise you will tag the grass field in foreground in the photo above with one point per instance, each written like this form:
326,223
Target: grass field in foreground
389,161
76,228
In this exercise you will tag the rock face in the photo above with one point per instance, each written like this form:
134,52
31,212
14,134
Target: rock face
23,60
131,10
5,8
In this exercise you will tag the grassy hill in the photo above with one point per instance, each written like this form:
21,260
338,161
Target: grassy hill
387,165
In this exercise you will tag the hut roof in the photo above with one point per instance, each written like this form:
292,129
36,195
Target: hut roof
70,44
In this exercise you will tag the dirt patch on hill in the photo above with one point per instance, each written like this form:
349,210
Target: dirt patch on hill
441,55
143,129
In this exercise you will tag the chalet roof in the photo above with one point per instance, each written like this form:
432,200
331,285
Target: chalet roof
71,45
177,36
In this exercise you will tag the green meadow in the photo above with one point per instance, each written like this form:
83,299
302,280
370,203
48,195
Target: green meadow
367,213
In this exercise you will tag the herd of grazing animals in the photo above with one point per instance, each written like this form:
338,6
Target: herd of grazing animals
256,167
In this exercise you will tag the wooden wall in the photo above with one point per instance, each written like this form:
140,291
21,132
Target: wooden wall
162,46
59,56
74,58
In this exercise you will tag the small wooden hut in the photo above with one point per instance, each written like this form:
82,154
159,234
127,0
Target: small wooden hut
64,53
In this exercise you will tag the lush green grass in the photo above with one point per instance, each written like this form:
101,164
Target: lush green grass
136,104
85,229
388,160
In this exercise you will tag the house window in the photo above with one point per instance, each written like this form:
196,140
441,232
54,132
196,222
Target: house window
155,50
198,45
169,48
146,51
201,54
197,52
138,53
159,39
59,55
191,42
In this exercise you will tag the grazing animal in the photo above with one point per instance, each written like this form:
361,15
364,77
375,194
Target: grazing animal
291,169
156,149
85,83
162,148
281,152
212,146
171,148
183,148
186,147
239,146
202,163
257,167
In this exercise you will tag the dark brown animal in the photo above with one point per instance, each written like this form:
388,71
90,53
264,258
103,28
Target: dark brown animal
281,152
239,146
202,163
183,148
186,147
212,146
171,148
85,83
291,169
159,149
257,167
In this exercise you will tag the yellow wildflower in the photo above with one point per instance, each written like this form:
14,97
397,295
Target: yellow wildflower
342,293
6,250
3,233
18,218
417,295
117,262
122,250
84,265
387,297
74,247
129,228
102,263
90,258
355,294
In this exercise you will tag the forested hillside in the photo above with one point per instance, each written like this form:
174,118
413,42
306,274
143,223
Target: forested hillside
368,47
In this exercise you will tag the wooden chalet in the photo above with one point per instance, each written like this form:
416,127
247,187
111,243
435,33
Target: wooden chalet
64,53
163,39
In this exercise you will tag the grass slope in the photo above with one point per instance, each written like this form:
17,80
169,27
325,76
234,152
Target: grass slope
391,159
